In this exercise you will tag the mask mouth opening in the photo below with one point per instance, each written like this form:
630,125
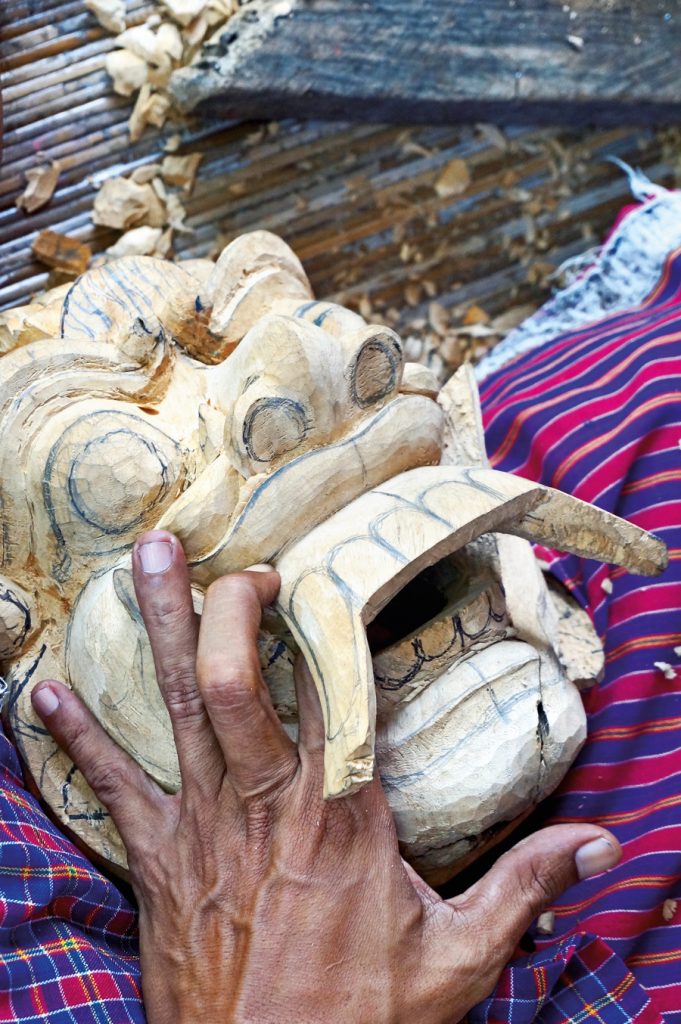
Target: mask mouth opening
443,616
421,601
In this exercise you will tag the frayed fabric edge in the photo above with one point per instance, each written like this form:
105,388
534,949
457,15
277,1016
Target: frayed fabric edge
618,276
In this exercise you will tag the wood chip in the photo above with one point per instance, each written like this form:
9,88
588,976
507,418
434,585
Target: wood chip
669,909
61,252
666,669
150,108
41,183
169,42
181,170
146,173
438,318
454,179
141,41
128,71
176,212
475,315
412,293
493,135
142,241
184,11
546,922
109,13
121,203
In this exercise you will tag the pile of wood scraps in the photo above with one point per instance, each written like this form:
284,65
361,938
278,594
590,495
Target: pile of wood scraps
450,233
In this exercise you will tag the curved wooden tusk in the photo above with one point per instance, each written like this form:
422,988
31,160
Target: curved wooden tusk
336,579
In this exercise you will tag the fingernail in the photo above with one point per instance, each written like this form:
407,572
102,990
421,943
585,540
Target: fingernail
261,567
45,701
595,857
155,556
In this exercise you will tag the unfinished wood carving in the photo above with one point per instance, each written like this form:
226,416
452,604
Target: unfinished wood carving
223,402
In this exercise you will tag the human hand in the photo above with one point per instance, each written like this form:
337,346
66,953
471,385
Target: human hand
259,901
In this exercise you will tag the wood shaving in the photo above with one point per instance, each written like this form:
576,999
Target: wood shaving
41,183
412,293
122,203
61,252
109,13
128,71
142,241
169,42
666,669
181,170
493,135
438,318
576,42
141,41
475,315
150,108
669,909
146,173
184,11
546,922
176,213
454,179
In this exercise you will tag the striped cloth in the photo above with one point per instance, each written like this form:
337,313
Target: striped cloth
595,411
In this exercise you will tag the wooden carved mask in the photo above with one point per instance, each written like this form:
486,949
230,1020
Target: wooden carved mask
222,402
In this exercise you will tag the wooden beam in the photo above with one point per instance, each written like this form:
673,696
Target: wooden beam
442,61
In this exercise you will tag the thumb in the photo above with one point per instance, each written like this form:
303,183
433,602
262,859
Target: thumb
532,875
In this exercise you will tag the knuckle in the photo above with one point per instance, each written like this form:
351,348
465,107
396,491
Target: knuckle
180,693
232,686
165,611
109,780
236,586
539,886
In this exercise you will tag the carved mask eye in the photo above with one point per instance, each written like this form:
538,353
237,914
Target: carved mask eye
109,475
376,371
267,428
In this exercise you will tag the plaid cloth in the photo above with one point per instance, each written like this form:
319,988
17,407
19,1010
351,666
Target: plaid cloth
68,939
596,411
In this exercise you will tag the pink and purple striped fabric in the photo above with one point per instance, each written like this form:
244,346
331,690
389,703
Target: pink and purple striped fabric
597,412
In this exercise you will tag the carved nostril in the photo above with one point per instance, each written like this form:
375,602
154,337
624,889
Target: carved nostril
376,371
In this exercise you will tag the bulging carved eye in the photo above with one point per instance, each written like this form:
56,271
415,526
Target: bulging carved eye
108,475
265,427
376,371
272,426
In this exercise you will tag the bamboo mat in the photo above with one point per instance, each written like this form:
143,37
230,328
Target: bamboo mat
357,203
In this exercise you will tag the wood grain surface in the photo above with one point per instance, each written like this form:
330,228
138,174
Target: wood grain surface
442,60
358,203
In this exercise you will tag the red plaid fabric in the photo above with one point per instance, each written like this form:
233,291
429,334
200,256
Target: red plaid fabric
68,939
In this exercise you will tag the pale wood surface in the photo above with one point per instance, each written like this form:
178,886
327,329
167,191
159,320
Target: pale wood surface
299,448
